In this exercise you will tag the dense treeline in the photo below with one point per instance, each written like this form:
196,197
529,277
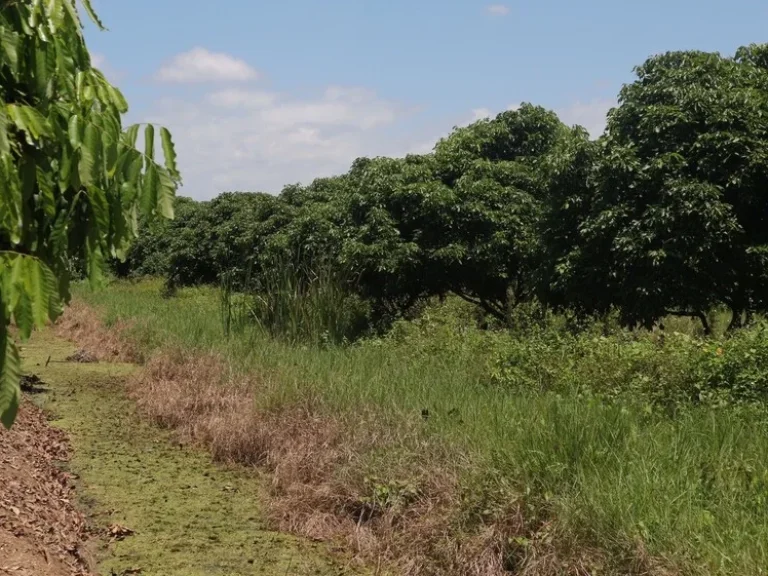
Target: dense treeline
665,214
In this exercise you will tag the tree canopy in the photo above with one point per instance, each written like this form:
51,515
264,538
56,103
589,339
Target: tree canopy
73,181
677,222
665,213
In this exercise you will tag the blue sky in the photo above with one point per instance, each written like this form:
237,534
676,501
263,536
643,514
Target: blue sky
261,94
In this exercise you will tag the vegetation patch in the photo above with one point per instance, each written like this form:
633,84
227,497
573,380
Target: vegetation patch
160,510
426,451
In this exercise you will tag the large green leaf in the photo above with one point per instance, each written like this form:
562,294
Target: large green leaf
9,43
165,193
130,135
29,121
10,380
100,208
96,262
117,98
169,152
149,141
75,131
30,290
151,189
46,197
91,157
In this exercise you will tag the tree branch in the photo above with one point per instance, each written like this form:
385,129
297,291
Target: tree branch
700,315
484,304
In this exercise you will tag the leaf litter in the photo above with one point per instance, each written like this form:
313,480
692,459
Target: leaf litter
42,533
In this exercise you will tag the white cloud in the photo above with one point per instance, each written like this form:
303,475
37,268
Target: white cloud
201,65
591,115
497,9
235,98
480,114
242,138
253,140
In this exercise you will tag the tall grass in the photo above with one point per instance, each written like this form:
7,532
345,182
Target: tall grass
298,302
597,467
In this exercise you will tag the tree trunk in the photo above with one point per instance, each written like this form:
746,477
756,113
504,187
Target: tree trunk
704,323
735,323
700,315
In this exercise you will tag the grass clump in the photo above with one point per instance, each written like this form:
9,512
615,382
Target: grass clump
443,448
298,302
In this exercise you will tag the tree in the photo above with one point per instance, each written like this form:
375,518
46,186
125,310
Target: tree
567,201
72,181
151,252
679,220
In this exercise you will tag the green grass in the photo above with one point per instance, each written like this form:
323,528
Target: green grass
190,517
692,487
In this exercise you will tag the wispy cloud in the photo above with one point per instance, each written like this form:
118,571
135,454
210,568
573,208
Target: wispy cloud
202,65
497,9
591,115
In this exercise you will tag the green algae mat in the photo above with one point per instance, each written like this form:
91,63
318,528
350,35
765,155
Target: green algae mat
171,510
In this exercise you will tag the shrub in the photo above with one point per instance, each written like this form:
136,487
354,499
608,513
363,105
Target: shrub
665,370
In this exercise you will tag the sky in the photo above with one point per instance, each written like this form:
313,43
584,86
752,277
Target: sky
260,94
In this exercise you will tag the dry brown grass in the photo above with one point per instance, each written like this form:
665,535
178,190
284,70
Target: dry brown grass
83,326
318,466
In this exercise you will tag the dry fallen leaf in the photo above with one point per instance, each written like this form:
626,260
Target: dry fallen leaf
118,532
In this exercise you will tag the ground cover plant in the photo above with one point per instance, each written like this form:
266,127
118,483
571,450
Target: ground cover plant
446,446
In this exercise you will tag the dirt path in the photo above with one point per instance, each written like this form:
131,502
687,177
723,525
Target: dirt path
171,511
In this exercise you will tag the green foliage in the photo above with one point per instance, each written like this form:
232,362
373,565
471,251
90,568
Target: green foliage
676,222
667,371
463,220
300,304
72,182
662,216
612,443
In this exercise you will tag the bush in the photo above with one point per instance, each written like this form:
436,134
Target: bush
666,370
734,370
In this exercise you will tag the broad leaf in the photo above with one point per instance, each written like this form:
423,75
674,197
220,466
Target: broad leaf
10,381
28,120
149,142
169,152
90,168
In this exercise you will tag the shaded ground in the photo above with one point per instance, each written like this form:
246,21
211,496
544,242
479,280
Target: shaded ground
161,509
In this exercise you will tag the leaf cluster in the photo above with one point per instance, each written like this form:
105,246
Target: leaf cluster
73,181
